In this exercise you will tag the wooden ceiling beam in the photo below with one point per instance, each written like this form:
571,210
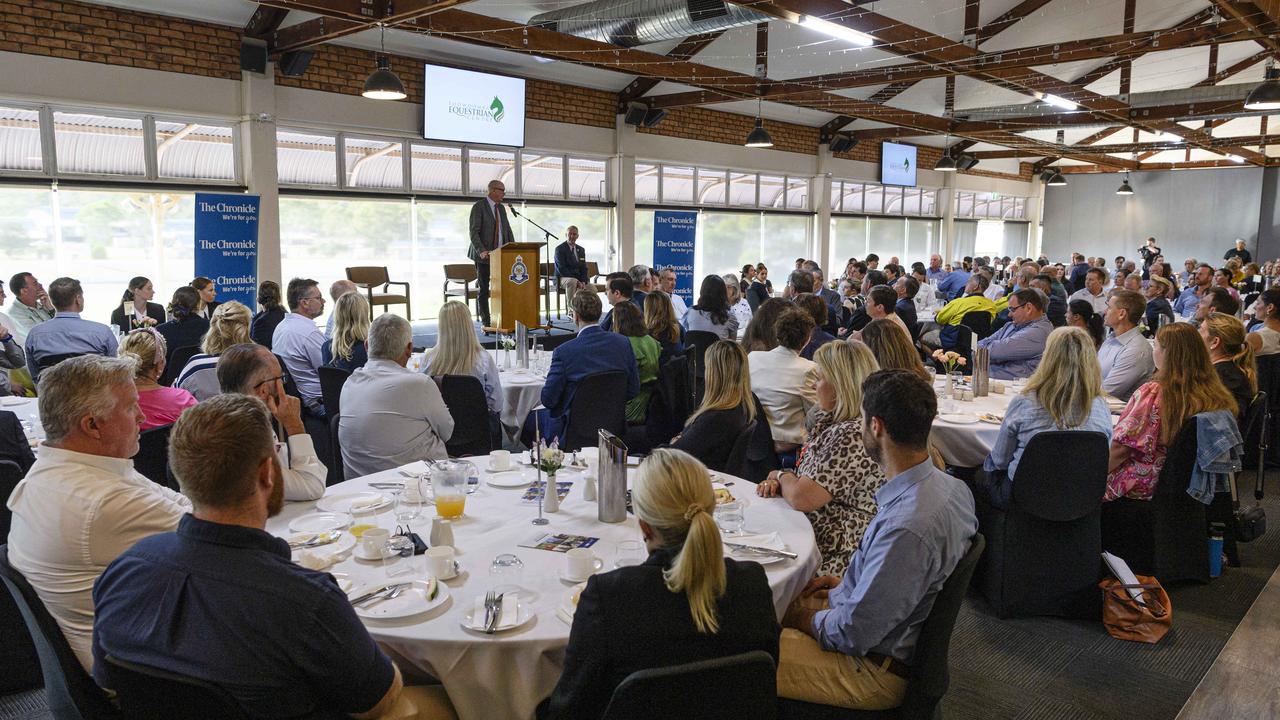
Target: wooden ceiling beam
1256,19
1009,19
340,18
1153,147
685,50
264,21
1147,167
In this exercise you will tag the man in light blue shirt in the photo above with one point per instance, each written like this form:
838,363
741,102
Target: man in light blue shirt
1185,305
66,334
1125,357
298,341
855,650
1015,348
953,284
935,272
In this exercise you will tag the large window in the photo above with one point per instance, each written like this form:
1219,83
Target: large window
873,199
101,238
683,185
909,239
728,240
55,141
990,206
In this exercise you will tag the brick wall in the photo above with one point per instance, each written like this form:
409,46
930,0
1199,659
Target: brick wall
95,33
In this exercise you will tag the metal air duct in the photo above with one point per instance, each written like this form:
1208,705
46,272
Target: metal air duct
629,23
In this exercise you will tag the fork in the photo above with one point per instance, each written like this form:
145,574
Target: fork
497,613
379,598
488,609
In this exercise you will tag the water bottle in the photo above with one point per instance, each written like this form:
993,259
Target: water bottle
1216,531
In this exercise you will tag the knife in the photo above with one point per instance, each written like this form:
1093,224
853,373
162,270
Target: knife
756,548
370,594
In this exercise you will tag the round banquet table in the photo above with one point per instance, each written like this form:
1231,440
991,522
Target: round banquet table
506,675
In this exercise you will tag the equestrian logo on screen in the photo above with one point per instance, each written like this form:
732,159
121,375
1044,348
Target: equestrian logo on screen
497,109
519,273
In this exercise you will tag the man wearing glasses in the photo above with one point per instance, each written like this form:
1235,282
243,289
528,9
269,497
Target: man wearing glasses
251,369
1015,349
489,230
298,341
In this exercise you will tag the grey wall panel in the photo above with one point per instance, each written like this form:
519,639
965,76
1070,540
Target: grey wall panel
1191,213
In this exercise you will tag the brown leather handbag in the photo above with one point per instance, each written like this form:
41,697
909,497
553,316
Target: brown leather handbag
1127,619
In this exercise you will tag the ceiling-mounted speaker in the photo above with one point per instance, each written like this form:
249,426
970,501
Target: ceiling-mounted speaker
653,116
842,143
635,114
253,56
294,63
966,161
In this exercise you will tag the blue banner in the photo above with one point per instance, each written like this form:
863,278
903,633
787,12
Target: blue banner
227,245
674,233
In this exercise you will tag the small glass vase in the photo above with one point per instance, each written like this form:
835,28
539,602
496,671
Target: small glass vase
955,384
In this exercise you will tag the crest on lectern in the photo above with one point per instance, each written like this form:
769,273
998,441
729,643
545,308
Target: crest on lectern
519,273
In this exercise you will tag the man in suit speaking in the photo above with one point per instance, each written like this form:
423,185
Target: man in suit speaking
489,231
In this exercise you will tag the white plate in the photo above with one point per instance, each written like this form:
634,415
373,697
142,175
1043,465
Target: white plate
412,601
567,606
508,479
523,616
9,401
342,503
360,553
318,522
343,544
770,540
958,418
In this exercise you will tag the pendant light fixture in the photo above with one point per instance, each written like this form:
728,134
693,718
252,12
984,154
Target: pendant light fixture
946,163
1055,178
382,83
1125,187
1265,96
759,137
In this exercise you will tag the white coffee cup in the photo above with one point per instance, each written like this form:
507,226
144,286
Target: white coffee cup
500,460
373,541
581,563
440,562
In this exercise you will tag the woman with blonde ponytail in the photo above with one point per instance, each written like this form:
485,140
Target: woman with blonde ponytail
1232,356
229,326
687,602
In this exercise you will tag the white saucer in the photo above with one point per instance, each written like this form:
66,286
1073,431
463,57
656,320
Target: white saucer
318,522
958,418
508,479
373,502
361,554
491,469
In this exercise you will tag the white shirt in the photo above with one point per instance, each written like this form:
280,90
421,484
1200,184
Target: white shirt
677,305
787,386
1099,302
1270,340
994,292
303,474
742,311
73,514
391,416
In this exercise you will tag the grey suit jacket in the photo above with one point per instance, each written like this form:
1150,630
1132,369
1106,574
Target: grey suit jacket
481,227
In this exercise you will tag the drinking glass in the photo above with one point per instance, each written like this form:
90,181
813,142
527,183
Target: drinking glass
506,573
449,485
730,518
402,562
630,552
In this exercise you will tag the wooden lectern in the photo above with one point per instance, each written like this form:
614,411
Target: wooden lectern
514,286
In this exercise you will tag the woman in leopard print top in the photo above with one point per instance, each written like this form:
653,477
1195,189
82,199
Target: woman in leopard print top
835,481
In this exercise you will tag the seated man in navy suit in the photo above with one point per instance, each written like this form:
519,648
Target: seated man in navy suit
594,351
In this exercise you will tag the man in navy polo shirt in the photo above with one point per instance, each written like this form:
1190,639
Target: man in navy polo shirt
220,600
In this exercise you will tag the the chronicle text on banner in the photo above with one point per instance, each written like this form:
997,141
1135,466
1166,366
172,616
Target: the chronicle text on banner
674,233
227,245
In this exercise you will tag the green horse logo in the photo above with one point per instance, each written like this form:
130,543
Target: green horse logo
496,108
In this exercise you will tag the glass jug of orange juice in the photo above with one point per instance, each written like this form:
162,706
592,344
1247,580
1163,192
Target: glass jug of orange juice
449,486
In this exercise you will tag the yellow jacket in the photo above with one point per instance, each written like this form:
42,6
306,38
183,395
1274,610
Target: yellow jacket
953,311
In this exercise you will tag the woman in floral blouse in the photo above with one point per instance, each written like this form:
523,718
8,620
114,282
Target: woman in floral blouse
835,481
1185,384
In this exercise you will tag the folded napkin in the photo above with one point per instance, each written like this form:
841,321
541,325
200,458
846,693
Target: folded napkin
315,561
768,540
364,505
9,400
506,617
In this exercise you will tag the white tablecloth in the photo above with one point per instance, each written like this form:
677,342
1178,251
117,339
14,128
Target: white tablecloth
967,445
521,391
507,674
28,412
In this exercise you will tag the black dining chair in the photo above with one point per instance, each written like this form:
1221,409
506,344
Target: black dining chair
19,665
930,673
150,693
177,360
70,693
736,463
337,469
1044,548
152,459
464,396
598,403
331,381
736,687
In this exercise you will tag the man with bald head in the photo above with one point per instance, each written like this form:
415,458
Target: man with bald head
489,229
571,263
337,290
